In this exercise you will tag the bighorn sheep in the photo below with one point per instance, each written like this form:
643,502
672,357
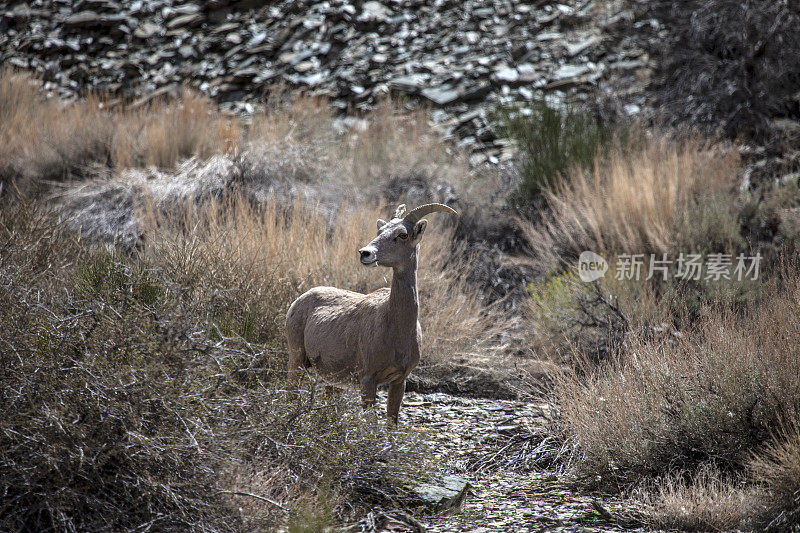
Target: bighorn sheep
374,336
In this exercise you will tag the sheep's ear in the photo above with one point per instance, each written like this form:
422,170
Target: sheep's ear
419,229
381,223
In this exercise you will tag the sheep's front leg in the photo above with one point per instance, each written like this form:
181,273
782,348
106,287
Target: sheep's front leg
395,399
369,389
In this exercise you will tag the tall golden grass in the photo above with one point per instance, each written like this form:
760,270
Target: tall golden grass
634,202
42,139
45,139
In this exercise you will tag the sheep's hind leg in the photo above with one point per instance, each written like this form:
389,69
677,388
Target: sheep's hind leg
369,390
396,391
298,359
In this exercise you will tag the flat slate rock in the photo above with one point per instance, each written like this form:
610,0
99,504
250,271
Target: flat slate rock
446,492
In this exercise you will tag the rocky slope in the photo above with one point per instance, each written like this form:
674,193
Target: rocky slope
458,57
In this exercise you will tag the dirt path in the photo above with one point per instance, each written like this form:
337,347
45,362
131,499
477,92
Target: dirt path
488,442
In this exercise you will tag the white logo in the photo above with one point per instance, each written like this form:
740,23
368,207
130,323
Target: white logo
591,266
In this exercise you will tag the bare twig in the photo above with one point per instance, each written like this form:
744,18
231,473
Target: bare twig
256,496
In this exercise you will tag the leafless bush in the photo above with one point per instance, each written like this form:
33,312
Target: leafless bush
575,322
728,65
718,392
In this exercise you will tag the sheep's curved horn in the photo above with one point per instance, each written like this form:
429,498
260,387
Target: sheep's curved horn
417,213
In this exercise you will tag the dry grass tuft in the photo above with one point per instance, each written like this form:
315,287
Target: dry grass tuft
640,202
44,140
387,145
161,134
399,145
703,500
777,469
41,139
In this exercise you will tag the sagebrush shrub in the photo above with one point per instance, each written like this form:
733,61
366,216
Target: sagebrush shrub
553,140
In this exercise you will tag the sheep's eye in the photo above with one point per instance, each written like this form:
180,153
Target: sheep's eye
403,236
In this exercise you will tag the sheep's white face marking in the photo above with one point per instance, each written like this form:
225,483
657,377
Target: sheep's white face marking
395,244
